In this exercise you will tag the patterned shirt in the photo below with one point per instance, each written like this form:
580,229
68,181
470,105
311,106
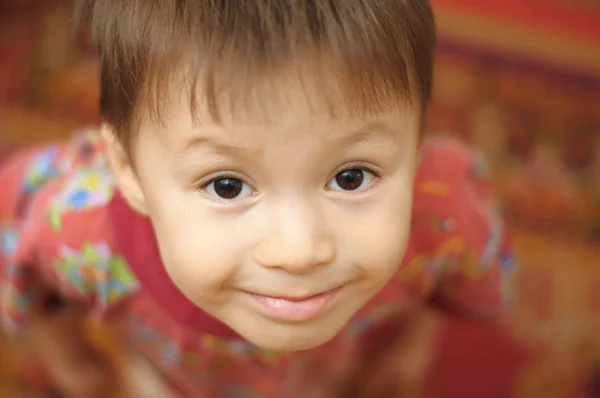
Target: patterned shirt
65,229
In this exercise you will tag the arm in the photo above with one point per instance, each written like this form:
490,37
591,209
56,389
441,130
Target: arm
56,239
55,260
459,218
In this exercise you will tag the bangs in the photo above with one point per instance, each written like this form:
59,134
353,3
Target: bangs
329,84
359,56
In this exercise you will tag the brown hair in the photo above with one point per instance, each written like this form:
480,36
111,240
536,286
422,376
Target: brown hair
369,53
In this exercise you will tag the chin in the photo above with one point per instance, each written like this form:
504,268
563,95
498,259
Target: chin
290,338
287,344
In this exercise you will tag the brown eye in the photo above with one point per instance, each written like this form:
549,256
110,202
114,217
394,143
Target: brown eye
227,188
351,180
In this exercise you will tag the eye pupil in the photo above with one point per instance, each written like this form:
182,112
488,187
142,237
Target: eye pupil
228,188
350,180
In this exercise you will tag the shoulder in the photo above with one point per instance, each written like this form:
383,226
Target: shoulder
81,187
459,241
66,232
454,211
449,167
28,171
453,196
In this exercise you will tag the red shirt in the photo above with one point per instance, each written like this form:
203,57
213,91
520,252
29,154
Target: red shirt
64,228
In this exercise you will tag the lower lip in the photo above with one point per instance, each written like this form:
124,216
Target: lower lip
296,310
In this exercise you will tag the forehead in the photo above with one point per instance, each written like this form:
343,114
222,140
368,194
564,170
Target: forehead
283,102
316,90
296,115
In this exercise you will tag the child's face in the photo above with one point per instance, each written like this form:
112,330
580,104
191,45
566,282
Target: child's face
282,229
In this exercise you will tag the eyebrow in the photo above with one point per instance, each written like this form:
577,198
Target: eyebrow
215,147
374,131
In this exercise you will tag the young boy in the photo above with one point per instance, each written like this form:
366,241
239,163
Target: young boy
259,195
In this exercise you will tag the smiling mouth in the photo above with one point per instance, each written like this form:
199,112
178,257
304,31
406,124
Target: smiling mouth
296,309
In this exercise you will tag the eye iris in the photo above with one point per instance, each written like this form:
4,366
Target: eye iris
350,180
228,188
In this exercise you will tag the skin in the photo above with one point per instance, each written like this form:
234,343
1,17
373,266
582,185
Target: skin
75,366
293,231
395,367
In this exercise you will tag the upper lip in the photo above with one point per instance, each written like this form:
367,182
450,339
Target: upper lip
293,297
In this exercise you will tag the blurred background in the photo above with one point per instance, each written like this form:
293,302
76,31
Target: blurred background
518,78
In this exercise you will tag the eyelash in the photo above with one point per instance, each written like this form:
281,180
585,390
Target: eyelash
220,177
376,176
357,166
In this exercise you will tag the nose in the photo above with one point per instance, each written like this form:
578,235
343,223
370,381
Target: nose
298,241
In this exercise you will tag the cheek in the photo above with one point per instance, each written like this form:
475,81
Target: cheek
377,241
200,255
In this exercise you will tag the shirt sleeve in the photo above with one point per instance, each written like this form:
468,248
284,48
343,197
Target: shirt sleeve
458,223
54,237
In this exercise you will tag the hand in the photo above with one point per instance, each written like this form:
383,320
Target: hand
393,361
74,365
141,379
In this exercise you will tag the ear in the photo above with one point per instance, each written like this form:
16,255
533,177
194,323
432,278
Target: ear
123,170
